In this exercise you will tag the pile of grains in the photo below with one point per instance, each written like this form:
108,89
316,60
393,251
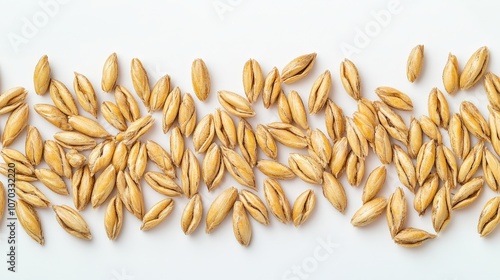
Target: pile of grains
96,162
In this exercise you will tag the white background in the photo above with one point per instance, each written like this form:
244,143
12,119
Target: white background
167,36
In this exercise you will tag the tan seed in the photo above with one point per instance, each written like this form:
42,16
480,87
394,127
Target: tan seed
101,156
430,129
369,212
29,220
75,159
467,193
191,216
171,109
190,170
272,88
425,194
157,214
474,121
187,115
299,114
350,79
306,168
284,111
15,124
82,184
254,206
438,108
88,127
459,137
340,151
355,169
225,129
405,168
412,237
374,183
113,116
161,158
62,98
275,169
235,104
104,185
446,165
367,108
41,77
162,184
136,130
130,194
31,195
266,141
11,99
319,147
23,166
287,135
365,126
200,79
425,160
241,224
3,200
396,211
120,157
85,94
451,77
415,63
253,80
382,146
212,168
277,201
140,81
489,218
491,170
176,146
298,68
247,142
204,134
319,93
238,167
392,122
127,104
75,140
72,222
394,98
471,163
109,73
492,88
52,181
441,208
334,192
474,68
113,218
357,142
220,208
334,120
303,206
415,138
56,159
137,160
